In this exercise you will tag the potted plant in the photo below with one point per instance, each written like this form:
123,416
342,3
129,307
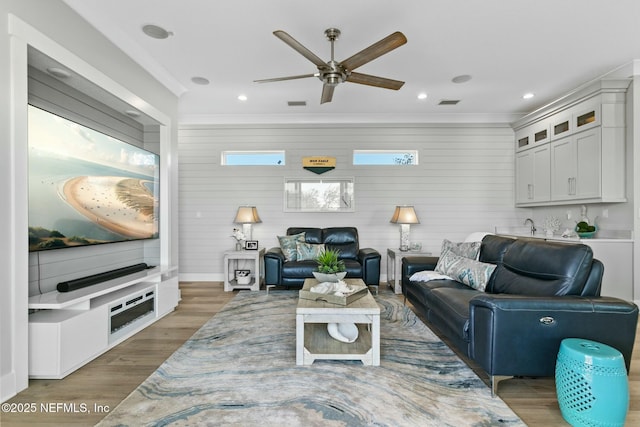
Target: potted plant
330,267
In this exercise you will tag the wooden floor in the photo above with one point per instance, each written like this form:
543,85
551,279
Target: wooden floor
86,396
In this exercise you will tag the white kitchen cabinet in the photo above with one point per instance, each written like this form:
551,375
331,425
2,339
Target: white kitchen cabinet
576,167
587,150
617,257
533,174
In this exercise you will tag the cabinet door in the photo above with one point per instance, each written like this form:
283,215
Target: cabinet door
588,165
524,177
563,168
533,168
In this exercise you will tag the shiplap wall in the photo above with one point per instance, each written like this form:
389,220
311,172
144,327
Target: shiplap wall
464,183
48,268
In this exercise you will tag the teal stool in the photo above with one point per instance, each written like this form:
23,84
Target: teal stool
591,383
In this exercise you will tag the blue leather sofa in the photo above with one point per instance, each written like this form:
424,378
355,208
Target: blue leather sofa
539,293
363,263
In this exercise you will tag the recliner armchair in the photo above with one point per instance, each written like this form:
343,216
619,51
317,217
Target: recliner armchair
360,263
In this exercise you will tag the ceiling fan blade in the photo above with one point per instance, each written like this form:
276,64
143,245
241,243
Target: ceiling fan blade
366,79
372,52
279,79
300,48
327,93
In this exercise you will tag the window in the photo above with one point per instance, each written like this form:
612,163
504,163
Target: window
318,195
253,158
385,157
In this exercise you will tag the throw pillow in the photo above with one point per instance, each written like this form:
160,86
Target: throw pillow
308,251
472,273
425,276
465,249
288,245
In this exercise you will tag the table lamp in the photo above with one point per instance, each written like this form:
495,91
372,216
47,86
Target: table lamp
246,216
404,215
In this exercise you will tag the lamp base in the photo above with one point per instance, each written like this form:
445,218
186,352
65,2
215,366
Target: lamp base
404,237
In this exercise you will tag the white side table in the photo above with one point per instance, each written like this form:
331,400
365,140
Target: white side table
394,266
232,263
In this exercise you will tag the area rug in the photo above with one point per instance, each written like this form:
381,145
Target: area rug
240,369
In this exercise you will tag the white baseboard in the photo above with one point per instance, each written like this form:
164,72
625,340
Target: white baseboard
201,277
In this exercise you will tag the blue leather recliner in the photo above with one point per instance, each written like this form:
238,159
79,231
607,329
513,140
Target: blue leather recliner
363,263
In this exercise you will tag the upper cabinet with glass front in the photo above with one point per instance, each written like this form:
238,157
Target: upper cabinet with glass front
585,134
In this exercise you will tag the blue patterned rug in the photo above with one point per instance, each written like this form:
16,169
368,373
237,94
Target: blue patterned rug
240,369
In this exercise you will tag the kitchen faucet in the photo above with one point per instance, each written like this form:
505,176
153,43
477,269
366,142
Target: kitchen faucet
533,227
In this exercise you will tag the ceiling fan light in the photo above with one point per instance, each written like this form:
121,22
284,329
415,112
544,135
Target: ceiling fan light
332,80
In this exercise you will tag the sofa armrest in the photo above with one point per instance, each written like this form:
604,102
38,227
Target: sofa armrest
273,260
521,335
413,264
369,258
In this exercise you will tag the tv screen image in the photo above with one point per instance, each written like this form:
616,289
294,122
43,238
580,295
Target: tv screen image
87,188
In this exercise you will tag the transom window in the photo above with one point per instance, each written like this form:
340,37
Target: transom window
385,157
253,158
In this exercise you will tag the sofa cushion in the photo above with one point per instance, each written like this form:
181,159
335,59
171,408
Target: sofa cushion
288,245
465,249
542,268
449,310
472,273
308,251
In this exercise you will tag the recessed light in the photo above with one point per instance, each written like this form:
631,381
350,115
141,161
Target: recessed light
200,80
242,97
463,78
528,95
156,32
59,72
422,95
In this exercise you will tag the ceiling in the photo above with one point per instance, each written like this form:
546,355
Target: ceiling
508,47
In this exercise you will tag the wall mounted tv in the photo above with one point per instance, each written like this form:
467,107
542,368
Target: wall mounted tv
87,188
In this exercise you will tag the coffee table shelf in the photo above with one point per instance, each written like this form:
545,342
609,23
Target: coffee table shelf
313,341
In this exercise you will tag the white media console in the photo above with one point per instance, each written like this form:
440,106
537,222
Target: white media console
72,328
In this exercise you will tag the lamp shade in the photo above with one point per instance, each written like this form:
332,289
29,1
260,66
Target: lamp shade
404,215
247,215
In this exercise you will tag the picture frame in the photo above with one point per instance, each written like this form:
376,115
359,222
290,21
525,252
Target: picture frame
251,245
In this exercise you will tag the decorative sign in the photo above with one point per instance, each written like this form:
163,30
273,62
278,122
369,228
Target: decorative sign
319,165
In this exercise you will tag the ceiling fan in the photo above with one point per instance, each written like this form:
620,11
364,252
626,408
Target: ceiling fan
333,73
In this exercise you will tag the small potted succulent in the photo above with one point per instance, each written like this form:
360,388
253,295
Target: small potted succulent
330,267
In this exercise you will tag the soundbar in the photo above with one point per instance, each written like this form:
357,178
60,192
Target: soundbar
83,282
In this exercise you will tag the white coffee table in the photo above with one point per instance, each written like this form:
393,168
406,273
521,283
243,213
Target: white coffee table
313,342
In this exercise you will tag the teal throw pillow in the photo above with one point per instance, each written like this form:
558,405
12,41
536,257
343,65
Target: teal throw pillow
288,245
308,251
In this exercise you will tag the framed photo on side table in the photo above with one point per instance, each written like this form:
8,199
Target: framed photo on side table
251,245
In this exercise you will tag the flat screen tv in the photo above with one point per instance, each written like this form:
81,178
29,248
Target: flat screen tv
87,188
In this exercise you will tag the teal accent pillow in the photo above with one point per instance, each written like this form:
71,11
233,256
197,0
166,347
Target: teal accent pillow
464,249
288,245
472,273
308,251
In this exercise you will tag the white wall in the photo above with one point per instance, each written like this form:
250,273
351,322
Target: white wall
464,182
51,27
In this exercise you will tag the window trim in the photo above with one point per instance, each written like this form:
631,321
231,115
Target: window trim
347,189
